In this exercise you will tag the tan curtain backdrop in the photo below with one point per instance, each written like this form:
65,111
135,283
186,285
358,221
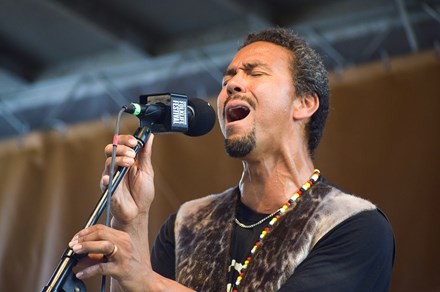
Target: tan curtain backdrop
382,142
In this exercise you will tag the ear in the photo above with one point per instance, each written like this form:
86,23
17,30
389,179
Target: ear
305,106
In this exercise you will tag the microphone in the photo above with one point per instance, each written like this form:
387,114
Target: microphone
171,112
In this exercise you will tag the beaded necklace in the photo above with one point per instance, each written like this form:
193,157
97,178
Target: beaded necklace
313,179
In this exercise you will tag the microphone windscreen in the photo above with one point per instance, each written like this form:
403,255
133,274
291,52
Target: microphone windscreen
203,119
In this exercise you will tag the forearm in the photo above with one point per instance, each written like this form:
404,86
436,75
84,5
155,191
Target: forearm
138,231
147,280
153,283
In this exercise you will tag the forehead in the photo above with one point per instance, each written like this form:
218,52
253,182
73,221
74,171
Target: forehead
264,53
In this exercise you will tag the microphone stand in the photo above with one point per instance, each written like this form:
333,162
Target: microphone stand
63,278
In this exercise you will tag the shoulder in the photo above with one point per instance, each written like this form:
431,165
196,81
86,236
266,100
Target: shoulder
356,255
364,241
355,223
336,207
368,226
212,200
205,211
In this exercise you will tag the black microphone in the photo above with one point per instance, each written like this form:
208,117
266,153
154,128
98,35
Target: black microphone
171,112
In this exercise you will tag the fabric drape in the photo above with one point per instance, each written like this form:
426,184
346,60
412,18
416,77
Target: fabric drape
381,142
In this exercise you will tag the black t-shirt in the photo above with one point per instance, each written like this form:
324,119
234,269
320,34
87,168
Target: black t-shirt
356,255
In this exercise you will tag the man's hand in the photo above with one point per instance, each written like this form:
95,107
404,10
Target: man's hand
135,193
111,252
114,253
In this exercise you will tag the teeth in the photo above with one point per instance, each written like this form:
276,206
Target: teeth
237,113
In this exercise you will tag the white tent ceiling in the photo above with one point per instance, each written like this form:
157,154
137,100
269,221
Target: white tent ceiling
67,61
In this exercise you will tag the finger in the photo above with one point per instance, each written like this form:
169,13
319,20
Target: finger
95,232
98,269
103,247
119,161
98,239
124,157
144,155
79,236
98,233
123,161
104,182
121,150
127,140
91,259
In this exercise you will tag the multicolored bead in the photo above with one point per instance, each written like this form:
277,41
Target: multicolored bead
313,179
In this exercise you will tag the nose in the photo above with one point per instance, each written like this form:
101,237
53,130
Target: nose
236,85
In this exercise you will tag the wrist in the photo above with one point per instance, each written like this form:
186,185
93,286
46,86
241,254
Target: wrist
159,283
139,221
136,228
149,281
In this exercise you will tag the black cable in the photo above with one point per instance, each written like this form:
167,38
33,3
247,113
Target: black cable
110,182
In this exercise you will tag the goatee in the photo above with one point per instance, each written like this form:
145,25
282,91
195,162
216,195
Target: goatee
242,146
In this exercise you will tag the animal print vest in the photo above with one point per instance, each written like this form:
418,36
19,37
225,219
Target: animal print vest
203,232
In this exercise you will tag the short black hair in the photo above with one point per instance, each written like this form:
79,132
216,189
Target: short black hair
309,75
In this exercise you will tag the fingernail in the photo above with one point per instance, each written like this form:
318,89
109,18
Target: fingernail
73,241
79,275
132,142
76,247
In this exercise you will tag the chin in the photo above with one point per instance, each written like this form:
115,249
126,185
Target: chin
241,146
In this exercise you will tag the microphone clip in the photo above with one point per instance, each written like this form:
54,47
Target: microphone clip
164,112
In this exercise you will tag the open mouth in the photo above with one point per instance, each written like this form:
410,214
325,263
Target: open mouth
236,113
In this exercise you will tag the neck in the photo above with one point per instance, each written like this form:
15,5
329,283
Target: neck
267,183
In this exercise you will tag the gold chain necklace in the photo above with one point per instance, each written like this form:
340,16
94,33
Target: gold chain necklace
313,179
255,224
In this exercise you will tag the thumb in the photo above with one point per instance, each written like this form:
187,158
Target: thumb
144,155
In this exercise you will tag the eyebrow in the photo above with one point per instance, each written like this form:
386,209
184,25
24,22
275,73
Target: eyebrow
247,67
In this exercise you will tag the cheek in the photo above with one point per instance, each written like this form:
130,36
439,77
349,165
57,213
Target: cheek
276,116
285,102
221,98
279,105
220,105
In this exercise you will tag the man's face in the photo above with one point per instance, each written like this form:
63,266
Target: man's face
255,103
